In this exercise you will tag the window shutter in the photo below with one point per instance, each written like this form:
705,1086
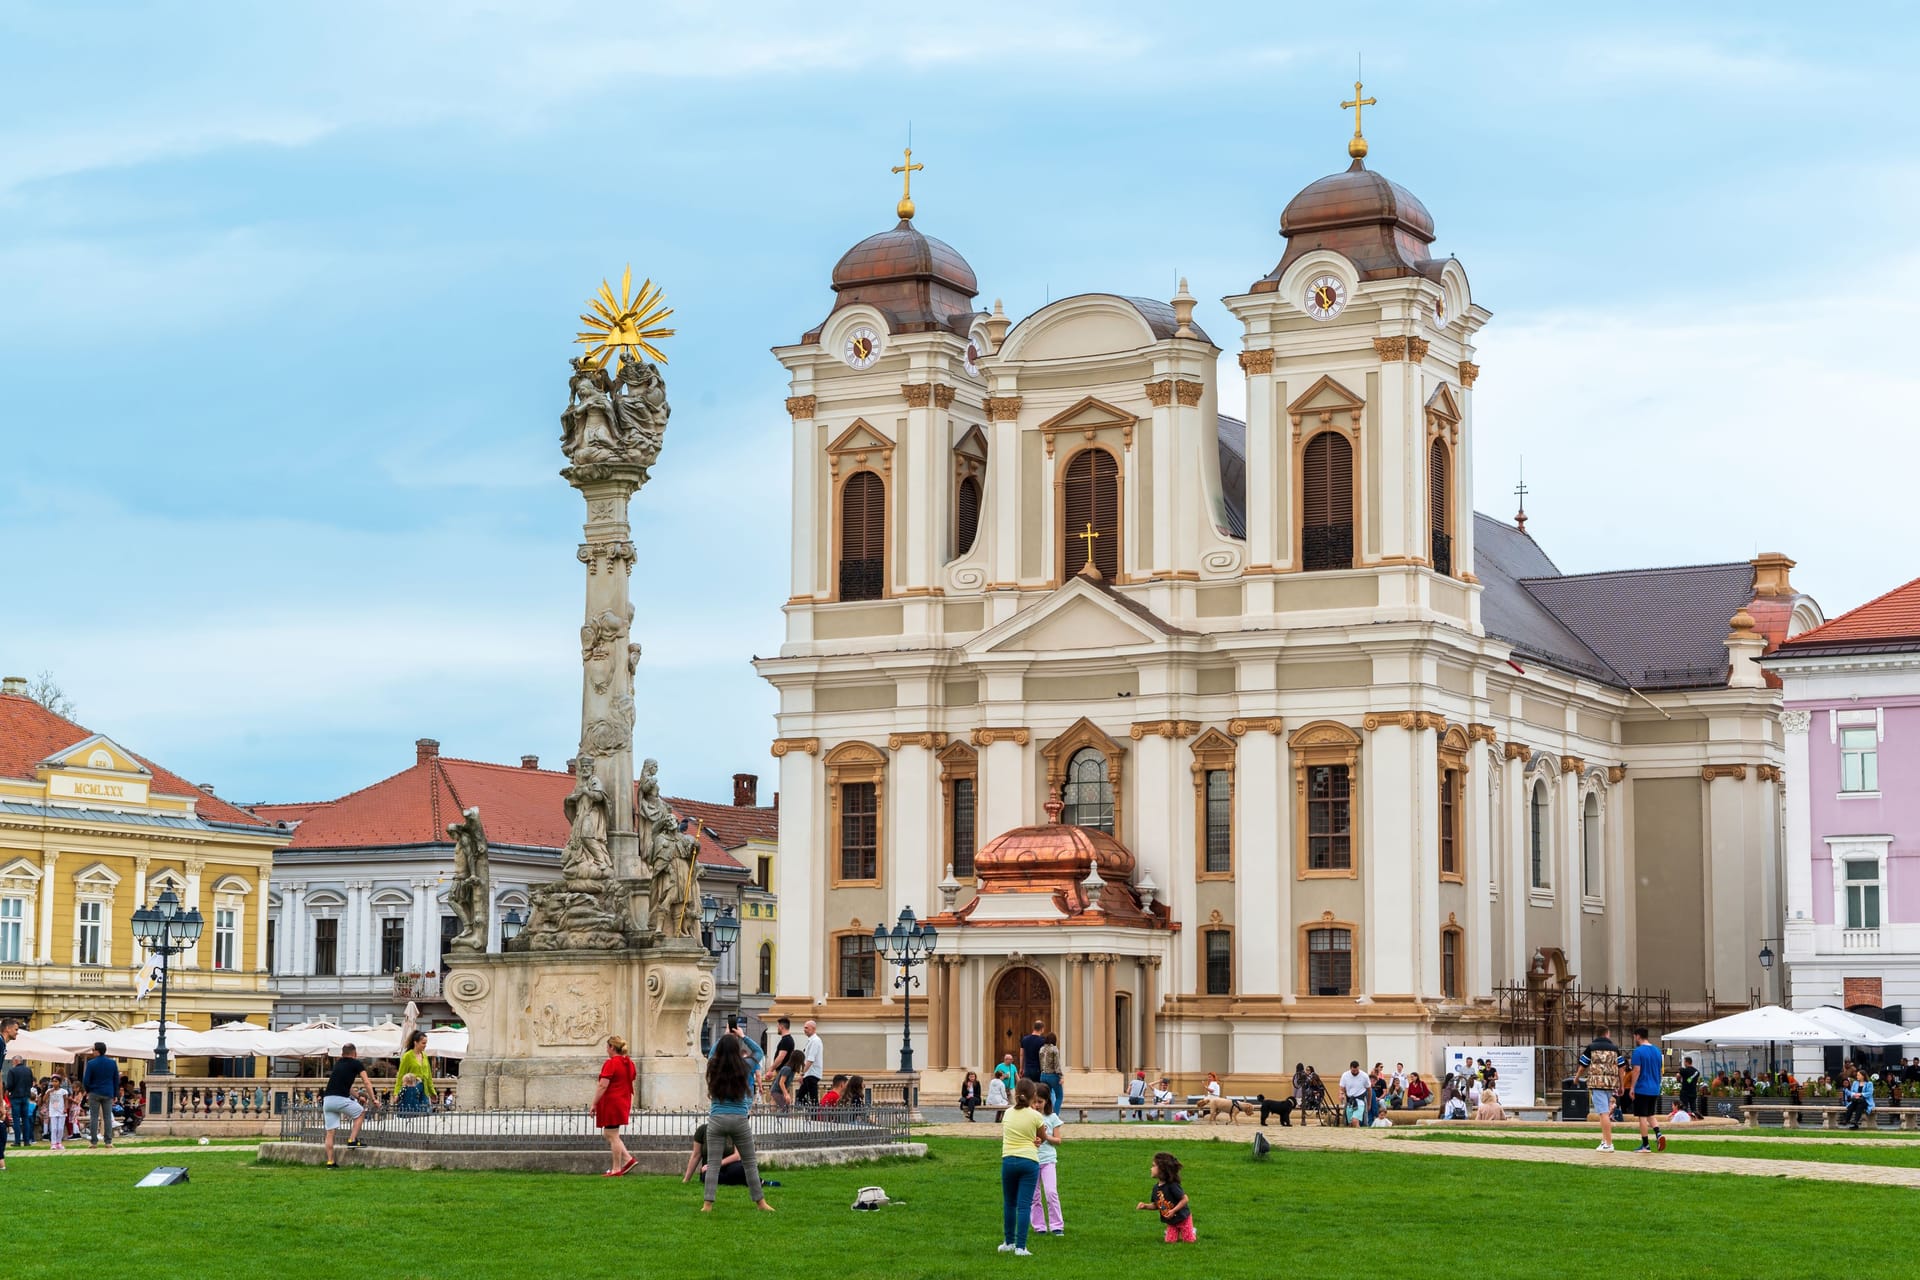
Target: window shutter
1315,478
1092,497
1439,516
863,537
1326,518
966,516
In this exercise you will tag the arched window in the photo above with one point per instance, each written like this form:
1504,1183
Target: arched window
1326,489
1590,847
863,537
766,968
1088,794
966,515
1537,836
1440,506
1090,512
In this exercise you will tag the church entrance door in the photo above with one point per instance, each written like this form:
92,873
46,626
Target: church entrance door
1021,996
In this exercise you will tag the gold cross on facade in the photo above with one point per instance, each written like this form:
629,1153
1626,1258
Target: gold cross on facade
1088,537
906,172
1358,147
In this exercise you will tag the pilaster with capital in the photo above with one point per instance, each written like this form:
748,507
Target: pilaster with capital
48,861
1797,822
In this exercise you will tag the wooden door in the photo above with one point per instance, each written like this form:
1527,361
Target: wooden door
1021,996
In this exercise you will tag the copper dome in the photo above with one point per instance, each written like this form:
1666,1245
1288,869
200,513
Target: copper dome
919,283
1053,858
1376,224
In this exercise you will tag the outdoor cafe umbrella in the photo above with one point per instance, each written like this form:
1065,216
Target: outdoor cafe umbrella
1866,1031
33,1048
321,1037
240,1040
138,1041
450,1043
381,1041
1769,1024
75,1035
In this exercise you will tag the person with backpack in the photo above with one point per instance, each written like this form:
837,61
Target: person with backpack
1600,1068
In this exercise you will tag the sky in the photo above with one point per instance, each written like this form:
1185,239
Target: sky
287,294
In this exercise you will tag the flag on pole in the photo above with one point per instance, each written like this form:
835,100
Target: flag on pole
146,973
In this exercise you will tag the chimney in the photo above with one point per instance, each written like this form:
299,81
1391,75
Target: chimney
205,786
15,685
529,762
746,790
1770,575
425,749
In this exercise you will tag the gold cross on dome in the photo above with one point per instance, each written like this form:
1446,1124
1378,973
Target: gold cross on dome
1358,147
1088,537
906,172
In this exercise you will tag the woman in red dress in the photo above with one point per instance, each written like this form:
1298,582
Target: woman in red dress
613,1104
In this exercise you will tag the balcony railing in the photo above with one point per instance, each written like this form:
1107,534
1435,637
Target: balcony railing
1442,554
1860,940
426,987
861,579
1326,546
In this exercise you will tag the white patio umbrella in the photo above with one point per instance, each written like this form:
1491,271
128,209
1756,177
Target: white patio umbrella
239,1040
1866,1031
320,1037
381,1041
451,1043
30,1046
75,1035
138,1041
1769,1024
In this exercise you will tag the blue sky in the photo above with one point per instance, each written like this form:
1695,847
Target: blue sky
286,295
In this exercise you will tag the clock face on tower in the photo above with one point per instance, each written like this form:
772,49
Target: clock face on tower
1326,297
863,348
973,361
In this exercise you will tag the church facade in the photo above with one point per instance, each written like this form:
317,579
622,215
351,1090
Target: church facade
1223,745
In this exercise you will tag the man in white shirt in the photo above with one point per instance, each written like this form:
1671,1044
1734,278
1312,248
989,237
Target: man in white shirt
1357,1090
815,1054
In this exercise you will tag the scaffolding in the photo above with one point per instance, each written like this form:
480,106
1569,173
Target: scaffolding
1560,1021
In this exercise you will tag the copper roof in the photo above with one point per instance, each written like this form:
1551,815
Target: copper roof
919,283
1054,858
1376,224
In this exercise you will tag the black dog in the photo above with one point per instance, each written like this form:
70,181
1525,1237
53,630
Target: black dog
1282,1107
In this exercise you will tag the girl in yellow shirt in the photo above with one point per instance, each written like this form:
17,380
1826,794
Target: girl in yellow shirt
1020,1136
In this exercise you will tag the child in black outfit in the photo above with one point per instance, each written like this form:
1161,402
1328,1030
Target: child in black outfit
1170,1200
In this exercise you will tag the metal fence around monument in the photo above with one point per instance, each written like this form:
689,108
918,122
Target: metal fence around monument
572,1129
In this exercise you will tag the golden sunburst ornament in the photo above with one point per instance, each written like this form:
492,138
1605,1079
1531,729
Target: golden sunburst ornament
629,323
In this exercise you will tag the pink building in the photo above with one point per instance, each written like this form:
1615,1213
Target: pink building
1851,713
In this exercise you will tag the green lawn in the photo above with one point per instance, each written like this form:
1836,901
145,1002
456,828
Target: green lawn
1903,1155
1314,1213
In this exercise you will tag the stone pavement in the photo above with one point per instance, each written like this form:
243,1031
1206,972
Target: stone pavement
1315,1138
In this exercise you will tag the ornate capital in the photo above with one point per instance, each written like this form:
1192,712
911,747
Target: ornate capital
927,739
1162,729
986,737
1714,772
1241,728
1160,394
919,394
1413,721
1769,772
1003,408
1468,372
592,554
1795,721
198,866
1390,348
783,745
1256,361
942,396
1187,393
1616,774
1517,751
1417,348
1572,764
1481,733
800,407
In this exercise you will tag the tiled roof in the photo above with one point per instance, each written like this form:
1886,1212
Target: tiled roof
29,733
413,807
1504,558
1232,435
732,824
1888,622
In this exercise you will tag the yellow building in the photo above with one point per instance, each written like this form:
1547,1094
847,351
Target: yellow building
89,831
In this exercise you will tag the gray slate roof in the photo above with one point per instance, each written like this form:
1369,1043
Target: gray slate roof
1232,435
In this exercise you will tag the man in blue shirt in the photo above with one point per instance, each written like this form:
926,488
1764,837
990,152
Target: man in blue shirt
101,1079
1643,1080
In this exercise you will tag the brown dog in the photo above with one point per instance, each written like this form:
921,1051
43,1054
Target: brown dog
1228,1107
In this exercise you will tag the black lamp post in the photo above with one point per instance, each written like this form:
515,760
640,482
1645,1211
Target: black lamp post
165,930
510,925
719,928
908,944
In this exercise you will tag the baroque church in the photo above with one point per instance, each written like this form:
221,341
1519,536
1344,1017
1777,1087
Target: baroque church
1222,745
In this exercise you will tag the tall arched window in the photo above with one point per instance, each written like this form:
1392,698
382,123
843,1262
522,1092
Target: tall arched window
1326,490
1440,505
1088,794
1090,512
966,515
863,537
766,968
1590,847
1537,836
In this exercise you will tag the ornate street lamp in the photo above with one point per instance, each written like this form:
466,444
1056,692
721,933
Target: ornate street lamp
510,925
908,944
165,930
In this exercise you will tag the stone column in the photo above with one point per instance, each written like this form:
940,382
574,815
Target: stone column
801,954
48,861
1263,477
1391,796
140,866
956,1044
196,867
1102,1055
423,932
1149,1016
1570,875
1073,1018
1482,844
293,914
1263,865
261,916
607,655
807,496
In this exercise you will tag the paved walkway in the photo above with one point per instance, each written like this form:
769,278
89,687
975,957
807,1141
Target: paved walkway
1673,1160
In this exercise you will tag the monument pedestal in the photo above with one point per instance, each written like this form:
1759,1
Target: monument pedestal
538,1023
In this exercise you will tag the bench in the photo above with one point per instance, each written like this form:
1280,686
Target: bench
1791,1113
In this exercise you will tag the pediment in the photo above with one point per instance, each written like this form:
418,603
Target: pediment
20,869
1077,617
860,444
1091,411
100,753
973,445
1325,400
1442,405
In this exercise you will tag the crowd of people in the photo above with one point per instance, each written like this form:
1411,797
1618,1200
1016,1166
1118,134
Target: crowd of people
95,1099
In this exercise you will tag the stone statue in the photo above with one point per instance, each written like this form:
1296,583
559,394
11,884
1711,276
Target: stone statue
598,636
588,425
586,858
640,409
676,857
472,891
653,820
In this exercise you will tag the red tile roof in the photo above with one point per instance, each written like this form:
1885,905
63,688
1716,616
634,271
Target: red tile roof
734,824
29,733
1893,616
413,807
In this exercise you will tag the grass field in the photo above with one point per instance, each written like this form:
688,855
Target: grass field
1300,1212
1898,1154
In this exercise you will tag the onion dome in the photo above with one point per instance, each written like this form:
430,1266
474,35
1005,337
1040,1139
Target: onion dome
919,283
1376,224
1055,858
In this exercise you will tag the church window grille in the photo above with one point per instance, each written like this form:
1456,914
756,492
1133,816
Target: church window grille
1537,836
1326,533
1590,848
966,518
859,831
1219,962
1330,962
393,945
1439,508
326,948
1090,496
963,833
1219,820
1450,949
863,537
1449,822
1329,818
856,965
1088,794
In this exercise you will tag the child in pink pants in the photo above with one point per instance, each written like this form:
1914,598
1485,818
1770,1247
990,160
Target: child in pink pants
1046,1191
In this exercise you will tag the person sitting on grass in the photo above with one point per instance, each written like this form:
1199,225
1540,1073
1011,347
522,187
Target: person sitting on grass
1169,1199
732,1172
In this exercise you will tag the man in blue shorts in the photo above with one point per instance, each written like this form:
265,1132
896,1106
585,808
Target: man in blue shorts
1600,1068
1643,1082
